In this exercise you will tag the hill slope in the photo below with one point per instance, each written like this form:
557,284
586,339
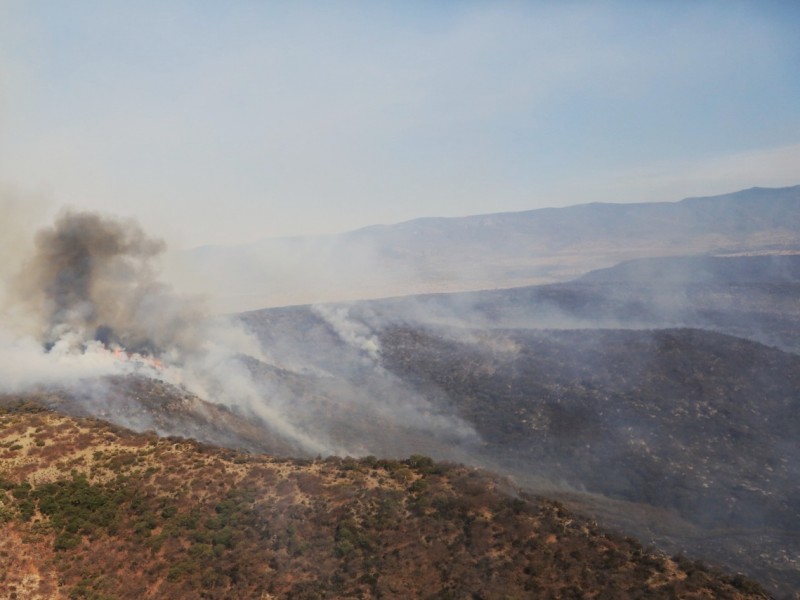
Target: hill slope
685,437
80,500
773,269
753,297
145,404
701,424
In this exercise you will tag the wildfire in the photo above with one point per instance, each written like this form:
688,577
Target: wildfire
123,355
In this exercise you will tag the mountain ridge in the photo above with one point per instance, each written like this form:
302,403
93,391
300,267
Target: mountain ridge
729,196
499,250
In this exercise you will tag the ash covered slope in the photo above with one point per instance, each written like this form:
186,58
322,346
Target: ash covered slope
701,424
332,389
685,436
91,323
80,499
496,250
691,420
771,269
87,318
665,417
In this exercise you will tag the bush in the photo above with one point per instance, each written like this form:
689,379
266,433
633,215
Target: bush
66,541
76,507
420,462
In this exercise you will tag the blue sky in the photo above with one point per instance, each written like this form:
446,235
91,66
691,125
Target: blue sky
225,122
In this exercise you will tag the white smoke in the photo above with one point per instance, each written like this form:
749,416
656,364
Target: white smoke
82,300
354,333
85,302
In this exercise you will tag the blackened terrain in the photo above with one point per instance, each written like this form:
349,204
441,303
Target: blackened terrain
754,297
701,424
662,393
626,397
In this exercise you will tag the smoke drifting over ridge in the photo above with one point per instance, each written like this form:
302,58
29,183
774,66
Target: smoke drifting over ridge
479,378
87,303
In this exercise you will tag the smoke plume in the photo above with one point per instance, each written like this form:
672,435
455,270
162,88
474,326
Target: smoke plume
87,303
91,278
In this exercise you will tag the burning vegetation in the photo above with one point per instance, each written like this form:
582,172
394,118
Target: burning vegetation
92,280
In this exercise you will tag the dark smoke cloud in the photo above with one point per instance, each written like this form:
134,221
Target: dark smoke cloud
88,287
92,277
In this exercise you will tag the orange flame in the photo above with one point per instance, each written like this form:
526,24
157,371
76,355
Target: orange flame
121,354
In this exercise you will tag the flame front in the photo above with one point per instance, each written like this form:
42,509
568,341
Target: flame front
123,355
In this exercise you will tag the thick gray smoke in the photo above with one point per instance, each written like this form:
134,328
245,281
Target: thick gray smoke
91,278
87,303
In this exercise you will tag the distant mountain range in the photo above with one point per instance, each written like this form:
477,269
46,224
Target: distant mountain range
491,251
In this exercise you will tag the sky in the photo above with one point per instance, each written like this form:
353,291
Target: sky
228,122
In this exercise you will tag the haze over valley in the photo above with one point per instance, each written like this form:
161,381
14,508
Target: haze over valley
657,397
489,251
399,300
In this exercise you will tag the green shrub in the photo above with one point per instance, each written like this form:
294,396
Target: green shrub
419,461
66,541
77,507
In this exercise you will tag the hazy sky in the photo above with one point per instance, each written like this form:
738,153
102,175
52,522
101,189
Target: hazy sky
224,122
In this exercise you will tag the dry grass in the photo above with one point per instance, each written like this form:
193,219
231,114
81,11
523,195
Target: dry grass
112,514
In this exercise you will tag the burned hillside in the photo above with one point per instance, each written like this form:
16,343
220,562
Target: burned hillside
701,424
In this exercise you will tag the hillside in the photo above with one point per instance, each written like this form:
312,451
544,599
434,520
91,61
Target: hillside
80,499
685,437
500,250
145,404
774,269
697,423
658,397
668,418
753,297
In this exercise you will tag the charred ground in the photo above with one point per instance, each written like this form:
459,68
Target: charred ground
684,437
662,394
701,424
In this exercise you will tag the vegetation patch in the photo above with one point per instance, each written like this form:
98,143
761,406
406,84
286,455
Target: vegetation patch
224,527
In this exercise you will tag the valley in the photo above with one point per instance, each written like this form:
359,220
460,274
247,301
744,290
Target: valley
656,398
